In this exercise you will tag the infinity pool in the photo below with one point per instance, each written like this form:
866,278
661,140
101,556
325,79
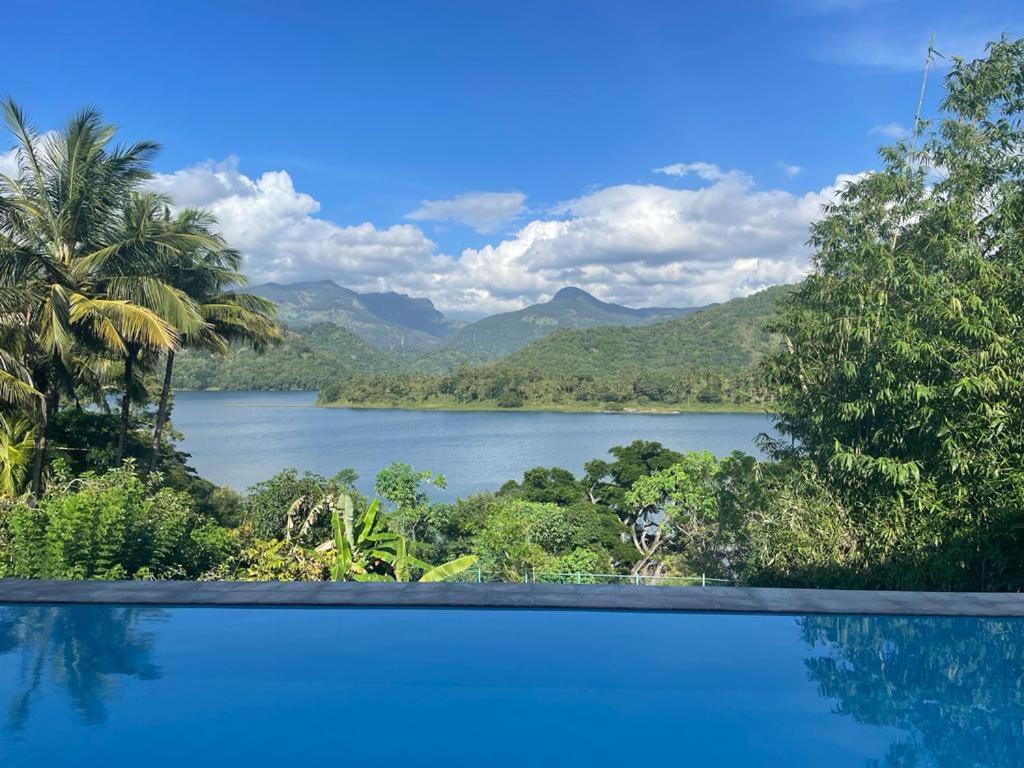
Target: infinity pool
112,686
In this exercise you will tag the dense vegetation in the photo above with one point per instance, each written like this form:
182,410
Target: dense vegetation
704,357
896,382
727,337
309,360
701,360
507,386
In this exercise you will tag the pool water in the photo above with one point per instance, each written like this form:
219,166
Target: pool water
116,685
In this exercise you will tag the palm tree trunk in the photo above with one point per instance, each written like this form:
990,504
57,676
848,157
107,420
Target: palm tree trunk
161,413
126,402
39,454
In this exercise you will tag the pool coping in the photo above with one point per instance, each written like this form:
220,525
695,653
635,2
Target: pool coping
514,596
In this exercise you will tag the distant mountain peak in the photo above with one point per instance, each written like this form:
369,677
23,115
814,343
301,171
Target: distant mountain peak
572,292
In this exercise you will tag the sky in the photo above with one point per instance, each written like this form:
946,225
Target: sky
486,154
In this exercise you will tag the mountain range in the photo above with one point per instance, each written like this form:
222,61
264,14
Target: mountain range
334,332
395,322
389,321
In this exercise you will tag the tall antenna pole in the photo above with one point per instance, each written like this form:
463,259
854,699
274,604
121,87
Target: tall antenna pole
929,58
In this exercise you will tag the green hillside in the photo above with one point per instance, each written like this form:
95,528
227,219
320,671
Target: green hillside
498,335
727,337
308,360
389,321
704,360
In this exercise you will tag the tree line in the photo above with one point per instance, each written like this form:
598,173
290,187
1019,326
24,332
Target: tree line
508,386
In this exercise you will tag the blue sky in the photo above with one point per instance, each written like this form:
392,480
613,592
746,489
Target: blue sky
317,130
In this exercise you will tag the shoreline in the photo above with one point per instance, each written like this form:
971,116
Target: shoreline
549,408
491,407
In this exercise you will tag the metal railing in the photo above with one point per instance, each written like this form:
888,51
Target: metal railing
582,577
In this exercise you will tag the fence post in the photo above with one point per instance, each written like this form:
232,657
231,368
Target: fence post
579,579
703,580
479,575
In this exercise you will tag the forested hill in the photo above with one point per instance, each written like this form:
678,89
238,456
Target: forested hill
389,321
724,338
702,360
320,354
727,337
498,335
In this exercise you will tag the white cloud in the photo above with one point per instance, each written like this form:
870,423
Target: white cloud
9,163
890,130
483,211
649,244
276,228
706,171
790,169
637,244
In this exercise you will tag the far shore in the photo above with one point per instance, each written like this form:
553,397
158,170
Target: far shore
492,407
554,408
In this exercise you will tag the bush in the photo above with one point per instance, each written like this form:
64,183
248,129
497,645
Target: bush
111,526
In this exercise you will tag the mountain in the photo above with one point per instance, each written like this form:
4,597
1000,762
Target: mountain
308,359
415,314
570,308
727,337
389,321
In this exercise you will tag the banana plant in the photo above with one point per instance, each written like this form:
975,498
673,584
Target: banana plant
365,549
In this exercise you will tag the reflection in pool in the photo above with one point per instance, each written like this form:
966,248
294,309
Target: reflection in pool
260,686
955,686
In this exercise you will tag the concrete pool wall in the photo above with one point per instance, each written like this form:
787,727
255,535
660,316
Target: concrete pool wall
522,596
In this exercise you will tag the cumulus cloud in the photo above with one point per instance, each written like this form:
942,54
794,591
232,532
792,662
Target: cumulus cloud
637,244
706,171
790,169
9,163
890,130
483,211
277,229
650,244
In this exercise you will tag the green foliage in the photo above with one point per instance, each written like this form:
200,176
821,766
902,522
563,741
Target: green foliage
266,506
498,335
307,359
505,544
508,385
727,337
681,504
17,444
112,526
902,371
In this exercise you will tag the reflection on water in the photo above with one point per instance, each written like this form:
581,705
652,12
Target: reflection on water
955,685
81,649
888,692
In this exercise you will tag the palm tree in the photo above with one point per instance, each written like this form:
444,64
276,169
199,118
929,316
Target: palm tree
61,227
16,442
209,275
150,243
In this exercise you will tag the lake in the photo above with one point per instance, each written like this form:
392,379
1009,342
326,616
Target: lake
240,438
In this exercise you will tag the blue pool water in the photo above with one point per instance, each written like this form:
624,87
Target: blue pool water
113,686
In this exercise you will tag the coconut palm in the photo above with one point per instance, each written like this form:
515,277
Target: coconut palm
62,227
16,441
209,275
150,243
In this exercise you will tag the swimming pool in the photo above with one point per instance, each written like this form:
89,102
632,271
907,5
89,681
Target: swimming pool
111,685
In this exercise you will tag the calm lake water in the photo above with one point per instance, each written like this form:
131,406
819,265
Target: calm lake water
239,438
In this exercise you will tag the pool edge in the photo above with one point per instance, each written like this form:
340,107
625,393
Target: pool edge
515,596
